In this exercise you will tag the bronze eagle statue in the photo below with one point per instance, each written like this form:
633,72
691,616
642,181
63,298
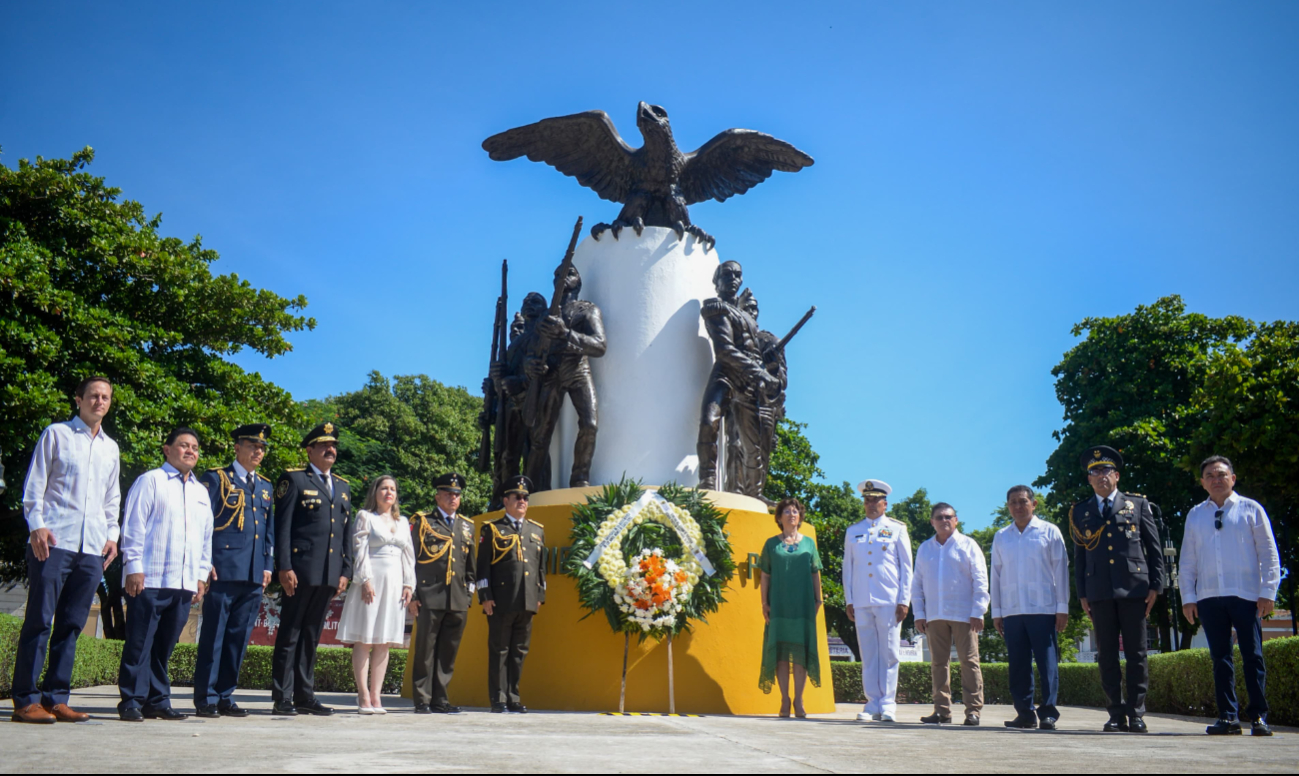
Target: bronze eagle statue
656,182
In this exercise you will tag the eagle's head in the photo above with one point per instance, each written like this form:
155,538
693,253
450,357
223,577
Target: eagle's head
652,120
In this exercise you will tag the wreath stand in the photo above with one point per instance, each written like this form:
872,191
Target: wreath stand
622,693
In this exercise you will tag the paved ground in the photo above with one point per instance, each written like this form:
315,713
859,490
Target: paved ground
477,741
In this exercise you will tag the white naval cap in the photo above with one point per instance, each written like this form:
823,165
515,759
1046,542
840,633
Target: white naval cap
874,488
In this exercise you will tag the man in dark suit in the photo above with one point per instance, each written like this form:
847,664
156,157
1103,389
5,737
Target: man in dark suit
444,585
243,556
511,586
313,553
1118,565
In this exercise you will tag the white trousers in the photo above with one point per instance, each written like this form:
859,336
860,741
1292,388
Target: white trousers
878,638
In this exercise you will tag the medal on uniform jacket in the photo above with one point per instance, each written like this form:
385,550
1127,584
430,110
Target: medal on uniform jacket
886,533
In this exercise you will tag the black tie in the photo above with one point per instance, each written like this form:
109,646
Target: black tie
251,481
448,519
1107,513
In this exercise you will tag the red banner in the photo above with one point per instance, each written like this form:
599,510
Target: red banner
268,622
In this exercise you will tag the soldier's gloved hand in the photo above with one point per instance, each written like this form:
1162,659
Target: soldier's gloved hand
488,386
552,326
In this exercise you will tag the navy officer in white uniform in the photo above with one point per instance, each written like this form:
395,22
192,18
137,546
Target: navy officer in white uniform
877,592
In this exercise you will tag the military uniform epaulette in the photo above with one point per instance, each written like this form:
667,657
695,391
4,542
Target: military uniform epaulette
261,476
534,522
299,469
340,477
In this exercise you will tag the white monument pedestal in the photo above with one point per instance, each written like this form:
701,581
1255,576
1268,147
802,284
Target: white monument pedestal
650,382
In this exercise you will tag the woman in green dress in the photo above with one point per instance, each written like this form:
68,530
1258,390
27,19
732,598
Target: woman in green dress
791,597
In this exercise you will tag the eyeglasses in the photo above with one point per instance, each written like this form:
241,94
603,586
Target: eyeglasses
1217,520
1101,471
944,516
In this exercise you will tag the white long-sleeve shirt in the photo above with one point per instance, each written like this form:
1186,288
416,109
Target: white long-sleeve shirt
167,532
72,487
951,580
877,563
1030,570
1239,560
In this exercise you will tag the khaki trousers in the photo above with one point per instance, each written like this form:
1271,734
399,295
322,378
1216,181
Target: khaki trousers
942,634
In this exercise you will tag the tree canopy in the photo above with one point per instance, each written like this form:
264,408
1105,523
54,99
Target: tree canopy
89,286
411,427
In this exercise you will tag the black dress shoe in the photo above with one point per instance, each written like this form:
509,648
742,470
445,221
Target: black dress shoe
423,708
445,708
169,714
284,709
130,715
1259,728
498,708
936,719
1023,722
1137,725
207,712
517,708
1047,723
1116,726
313,707
1224,727
231,710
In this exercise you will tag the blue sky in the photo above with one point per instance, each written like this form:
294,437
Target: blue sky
986,176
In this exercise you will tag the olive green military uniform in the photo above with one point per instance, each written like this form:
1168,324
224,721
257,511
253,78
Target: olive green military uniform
512,574
444,584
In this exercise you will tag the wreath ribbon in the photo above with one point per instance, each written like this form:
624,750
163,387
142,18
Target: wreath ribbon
647,498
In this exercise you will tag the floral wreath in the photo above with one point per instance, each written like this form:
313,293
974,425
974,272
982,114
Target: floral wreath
680,558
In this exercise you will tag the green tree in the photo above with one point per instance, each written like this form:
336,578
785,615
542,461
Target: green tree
411,427
1248,410
1131,384
89,286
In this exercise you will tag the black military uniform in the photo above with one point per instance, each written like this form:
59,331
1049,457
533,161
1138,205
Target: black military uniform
512,575
242,552
444,588
313,529
1117,562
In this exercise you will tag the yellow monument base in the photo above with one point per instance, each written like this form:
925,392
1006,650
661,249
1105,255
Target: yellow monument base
575,664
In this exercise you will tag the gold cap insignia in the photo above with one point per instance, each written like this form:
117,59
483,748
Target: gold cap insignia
1096,453
261,435
329,428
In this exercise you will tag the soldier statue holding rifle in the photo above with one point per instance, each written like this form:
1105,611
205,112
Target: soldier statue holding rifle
558,365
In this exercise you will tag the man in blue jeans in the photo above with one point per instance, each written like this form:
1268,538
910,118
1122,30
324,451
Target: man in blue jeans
1029,587
1230,573
70,502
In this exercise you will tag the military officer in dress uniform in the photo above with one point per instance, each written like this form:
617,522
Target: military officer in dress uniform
1119,566
313,553
243,557
511,587
877,592
444,591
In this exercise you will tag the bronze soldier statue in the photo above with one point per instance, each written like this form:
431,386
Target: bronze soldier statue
746,469
444,585
737,379
574,336
512,587
510,372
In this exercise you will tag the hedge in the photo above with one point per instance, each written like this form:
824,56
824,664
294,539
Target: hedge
1180,683
98,661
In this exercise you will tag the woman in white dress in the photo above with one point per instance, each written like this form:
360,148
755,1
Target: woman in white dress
383,578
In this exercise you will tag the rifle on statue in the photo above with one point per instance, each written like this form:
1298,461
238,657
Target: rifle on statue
502,343
493,402
541,345
807,316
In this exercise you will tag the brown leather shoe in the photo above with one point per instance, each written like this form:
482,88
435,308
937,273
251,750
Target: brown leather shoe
64,713
33,713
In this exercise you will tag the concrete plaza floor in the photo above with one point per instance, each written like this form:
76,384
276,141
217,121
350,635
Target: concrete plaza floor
401,742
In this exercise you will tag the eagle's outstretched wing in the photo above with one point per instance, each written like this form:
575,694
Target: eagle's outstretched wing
583,145
734,162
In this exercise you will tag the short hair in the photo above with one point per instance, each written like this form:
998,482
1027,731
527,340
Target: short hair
717,273
372,496
940,505
1026,490
180,431
80,392
789,501
1211,460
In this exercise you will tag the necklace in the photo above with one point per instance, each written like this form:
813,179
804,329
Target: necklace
791,546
